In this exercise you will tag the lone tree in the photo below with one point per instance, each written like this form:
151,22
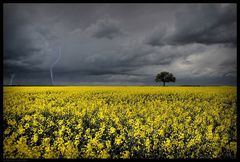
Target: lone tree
165,77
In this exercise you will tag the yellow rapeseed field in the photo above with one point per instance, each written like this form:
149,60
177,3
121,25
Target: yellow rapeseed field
119,122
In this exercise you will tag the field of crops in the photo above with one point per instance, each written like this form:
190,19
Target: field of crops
119,122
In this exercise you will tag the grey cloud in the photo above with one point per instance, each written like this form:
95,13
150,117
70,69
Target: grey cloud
207,24
118,43
106,79
124,59
29,78
228,62
105,28
196,63
157,37
23,45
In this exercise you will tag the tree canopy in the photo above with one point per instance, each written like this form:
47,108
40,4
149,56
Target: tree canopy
165,77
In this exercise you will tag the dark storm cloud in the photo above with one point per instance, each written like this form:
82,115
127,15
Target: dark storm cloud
23,45
118,43
30,78
76,78
205,23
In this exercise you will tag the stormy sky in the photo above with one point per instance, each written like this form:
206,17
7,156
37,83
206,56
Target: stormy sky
119,44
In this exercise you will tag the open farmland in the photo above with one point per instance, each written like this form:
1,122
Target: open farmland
119,122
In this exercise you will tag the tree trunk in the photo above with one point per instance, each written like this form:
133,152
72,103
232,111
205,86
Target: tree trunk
163,83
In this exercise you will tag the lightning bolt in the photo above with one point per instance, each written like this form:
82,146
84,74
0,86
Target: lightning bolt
11,80
54,63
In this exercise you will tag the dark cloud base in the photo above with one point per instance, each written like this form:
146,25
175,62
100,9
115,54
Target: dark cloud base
78,79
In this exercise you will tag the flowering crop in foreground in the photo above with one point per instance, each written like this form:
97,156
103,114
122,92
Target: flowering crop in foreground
119,122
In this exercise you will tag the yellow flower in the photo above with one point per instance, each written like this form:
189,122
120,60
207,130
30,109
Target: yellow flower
60,122
40,131
98,122
125,154
21,130
108,144
35,138
12,122
7,131
26,126
118,141
112,130
27,117
104,154
160,132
